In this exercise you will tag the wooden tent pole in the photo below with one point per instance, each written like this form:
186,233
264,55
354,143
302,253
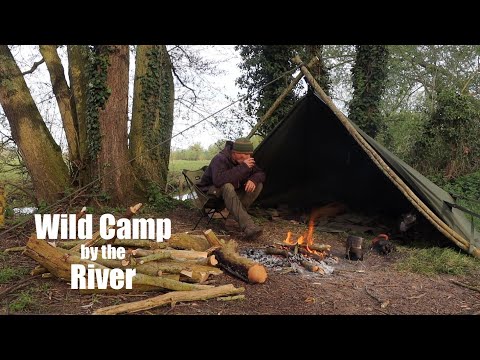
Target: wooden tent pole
397,181
279,100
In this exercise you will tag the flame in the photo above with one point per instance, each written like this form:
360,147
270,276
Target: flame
307,238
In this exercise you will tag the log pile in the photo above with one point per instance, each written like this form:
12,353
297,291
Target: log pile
185,264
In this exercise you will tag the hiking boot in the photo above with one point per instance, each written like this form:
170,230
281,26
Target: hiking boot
252,232
231,224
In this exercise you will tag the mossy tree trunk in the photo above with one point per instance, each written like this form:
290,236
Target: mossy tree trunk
108,139
152,117
77,73
318,70
42,155
369,76
65,102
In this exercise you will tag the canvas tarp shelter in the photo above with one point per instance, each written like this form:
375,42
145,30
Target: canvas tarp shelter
312,158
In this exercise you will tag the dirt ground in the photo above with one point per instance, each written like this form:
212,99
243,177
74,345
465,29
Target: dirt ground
366,287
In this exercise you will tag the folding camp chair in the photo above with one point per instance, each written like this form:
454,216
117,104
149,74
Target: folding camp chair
208,205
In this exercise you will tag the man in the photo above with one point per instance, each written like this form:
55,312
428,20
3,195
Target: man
233,175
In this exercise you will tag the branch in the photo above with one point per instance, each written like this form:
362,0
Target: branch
36,64
183,84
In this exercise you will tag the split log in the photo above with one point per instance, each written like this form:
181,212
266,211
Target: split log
185,241
170,298
241,267
212,238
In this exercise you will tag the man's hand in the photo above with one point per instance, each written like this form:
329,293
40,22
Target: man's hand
250,186
250,162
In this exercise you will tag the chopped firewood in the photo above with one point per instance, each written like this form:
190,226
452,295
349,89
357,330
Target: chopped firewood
58,262
185,241
96,239
38,270
169,298
14,249
124,243
193,276
274,251
212,238
309,266
241,267
173,254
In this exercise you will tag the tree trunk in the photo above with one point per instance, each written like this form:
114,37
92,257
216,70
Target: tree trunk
319,70
42,156
65,101
77,72
110,146
152,115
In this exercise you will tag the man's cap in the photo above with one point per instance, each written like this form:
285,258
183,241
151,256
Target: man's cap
243,145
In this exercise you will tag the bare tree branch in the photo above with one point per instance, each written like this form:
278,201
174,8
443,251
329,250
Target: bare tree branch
36,64
183,84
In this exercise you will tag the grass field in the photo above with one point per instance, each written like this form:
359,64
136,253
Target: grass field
179,165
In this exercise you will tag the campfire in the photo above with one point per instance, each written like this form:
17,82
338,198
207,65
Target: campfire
303,251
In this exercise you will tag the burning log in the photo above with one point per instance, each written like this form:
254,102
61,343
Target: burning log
170,298
241,267
316,247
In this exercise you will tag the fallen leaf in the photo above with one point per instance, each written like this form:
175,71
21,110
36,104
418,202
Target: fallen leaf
310,299
385,304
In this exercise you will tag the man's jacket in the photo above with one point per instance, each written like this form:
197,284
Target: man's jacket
223,170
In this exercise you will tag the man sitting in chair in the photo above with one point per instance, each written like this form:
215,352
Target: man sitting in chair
233,175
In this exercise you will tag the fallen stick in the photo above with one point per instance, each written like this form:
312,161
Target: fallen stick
230,298
169,298
17,286
14,249
465,285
